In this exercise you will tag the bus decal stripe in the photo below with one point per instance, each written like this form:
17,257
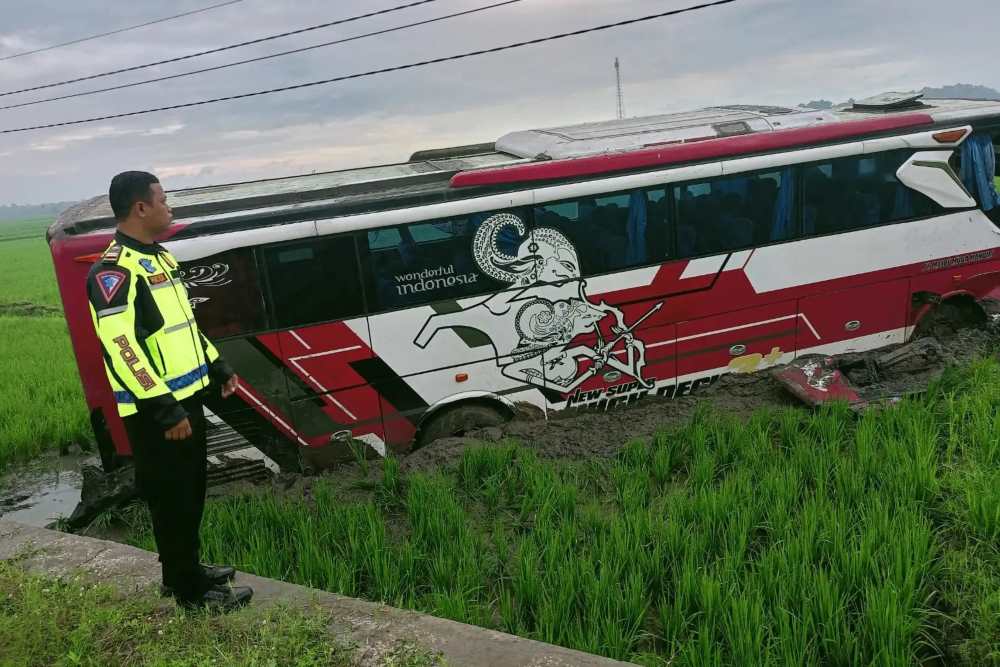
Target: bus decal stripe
391,387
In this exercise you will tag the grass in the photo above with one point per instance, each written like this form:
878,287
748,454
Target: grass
41,398
794,538
28,273
32,227
47,622
41,404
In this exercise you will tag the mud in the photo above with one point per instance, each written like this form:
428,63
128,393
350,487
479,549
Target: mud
41,492
50,487
879,376
28,309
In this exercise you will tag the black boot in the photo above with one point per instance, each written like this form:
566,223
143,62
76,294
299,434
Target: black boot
221,599
217,575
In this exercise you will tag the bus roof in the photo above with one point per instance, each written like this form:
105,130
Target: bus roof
428,175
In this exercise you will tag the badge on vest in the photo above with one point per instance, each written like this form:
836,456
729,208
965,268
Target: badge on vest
157,279
112,254
148,265
110,282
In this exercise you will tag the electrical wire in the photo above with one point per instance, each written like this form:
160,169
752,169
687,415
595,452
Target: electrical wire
219,49
119,30
384,70
260,58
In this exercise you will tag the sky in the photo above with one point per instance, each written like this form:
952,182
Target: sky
780,52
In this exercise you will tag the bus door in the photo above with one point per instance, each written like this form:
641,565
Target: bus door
441,324
315,302
225,294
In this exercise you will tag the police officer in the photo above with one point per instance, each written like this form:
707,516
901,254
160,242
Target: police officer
160,365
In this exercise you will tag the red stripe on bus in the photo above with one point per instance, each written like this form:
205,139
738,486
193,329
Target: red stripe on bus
688,152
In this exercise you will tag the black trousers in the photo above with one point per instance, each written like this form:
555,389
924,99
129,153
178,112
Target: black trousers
170,476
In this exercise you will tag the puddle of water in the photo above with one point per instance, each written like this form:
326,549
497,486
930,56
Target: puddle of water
43,490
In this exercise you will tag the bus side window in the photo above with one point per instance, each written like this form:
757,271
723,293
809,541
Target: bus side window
612,232
857,192
735,212
425,262
314,280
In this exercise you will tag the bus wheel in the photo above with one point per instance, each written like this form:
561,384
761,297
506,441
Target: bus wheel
459,420
949,317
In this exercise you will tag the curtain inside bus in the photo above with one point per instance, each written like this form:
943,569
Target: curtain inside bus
635,248
784,207
979,170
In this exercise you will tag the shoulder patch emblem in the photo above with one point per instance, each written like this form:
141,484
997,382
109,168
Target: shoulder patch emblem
157,279
148,265
110,282
112,254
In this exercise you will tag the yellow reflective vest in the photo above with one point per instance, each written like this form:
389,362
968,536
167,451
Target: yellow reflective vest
154,354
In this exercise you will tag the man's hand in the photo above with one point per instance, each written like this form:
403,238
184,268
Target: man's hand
180,431
229,388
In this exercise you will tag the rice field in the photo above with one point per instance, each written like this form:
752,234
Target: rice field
28,272
41,399
793,538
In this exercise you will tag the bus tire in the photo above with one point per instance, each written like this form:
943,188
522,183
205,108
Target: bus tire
458,420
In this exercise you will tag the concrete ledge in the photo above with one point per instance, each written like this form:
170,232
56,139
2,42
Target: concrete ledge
377,630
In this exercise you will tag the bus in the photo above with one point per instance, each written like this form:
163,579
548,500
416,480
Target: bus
589,266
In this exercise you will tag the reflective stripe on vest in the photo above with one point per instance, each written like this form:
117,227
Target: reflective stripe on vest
176,384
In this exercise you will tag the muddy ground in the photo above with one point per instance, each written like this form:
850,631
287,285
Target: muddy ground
571,434
28,309
582,434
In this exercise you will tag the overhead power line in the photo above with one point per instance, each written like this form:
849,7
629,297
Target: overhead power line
260,58
384,70
198,54
120,30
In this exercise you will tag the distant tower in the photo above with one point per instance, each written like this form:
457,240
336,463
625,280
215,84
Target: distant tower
621,96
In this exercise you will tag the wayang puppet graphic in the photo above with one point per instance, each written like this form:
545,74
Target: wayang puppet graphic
533,328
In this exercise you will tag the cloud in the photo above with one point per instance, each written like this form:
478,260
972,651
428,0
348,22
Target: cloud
165,130
753,51
63,141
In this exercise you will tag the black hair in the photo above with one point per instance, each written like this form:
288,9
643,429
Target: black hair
127,188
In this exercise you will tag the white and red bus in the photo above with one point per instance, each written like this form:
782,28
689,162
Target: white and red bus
584,266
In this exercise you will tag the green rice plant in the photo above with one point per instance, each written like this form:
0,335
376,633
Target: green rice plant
390,487
31,227
745,628
359,450
41,400
479,464
29,275
982,498
793,538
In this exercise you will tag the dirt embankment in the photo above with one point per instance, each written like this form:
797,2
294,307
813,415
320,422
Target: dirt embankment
578,434
28,309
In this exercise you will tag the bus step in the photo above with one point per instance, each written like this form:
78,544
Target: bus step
236,469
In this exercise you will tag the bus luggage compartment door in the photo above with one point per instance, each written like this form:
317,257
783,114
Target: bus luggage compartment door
333,403
742,341
854,319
